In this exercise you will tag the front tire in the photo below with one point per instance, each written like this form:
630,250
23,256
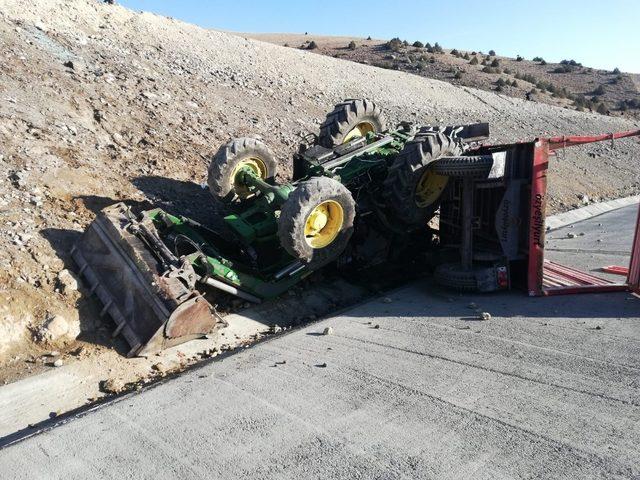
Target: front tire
316,221
232,157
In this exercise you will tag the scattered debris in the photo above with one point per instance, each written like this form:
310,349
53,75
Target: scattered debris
112,385
322,365
159,367
275,329
68,281
54,328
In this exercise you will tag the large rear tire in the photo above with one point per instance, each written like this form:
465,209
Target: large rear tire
351,119
412,188
454,276
473,166
230,159
316,221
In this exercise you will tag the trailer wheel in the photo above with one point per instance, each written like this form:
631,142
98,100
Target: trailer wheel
316,221
452,275
351,119
231,159
412,188
474,166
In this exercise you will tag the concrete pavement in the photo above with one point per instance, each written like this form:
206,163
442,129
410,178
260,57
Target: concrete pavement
535,392
599,241
412,385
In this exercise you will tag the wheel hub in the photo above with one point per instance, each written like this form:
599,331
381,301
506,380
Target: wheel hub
323,224
360,130
429,188
251,165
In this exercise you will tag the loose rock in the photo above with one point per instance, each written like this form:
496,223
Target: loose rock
159,367
54,329
112,385
328,331
68,281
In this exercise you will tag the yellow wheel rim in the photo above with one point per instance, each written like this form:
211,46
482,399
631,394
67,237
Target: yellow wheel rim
429,188
323,224
255,166
359,130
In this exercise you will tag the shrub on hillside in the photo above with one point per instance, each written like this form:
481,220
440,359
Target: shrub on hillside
537,59
624,105
615,80
519,58
458,75
312,45
492,53
395,44
437,48
418,44
352,45
491,70
602,109
599,91
495,63
455,52
563,69
616,71
466,56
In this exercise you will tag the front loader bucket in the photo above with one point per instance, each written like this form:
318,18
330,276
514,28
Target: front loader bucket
151,309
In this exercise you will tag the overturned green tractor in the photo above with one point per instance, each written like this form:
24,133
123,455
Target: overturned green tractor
358,189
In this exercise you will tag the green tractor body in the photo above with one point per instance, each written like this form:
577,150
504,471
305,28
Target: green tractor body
144,268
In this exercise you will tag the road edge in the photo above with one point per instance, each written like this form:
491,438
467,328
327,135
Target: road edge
583,213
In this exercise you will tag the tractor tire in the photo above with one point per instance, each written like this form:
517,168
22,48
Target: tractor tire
473,166
351,119
317,244
229,159
412,189
452,275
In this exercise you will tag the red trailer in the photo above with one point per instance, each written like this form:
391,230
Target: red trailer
496,222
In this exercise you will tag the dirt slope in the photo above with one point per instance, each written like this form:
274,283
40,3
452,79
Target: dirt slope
100,103
569,85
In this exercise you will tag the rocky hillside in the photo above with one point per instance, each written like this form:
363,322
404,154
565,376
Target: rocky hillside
568,84
101,104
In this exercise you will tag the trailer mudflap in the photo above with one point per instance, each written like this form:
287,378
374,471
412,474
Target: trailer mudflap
153,308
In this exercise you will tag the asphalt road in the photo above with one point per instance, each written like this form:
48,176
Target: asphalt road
409,386
597,242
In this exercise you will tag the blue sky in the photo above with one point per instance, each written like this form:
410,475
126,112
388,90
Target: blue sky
601,34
